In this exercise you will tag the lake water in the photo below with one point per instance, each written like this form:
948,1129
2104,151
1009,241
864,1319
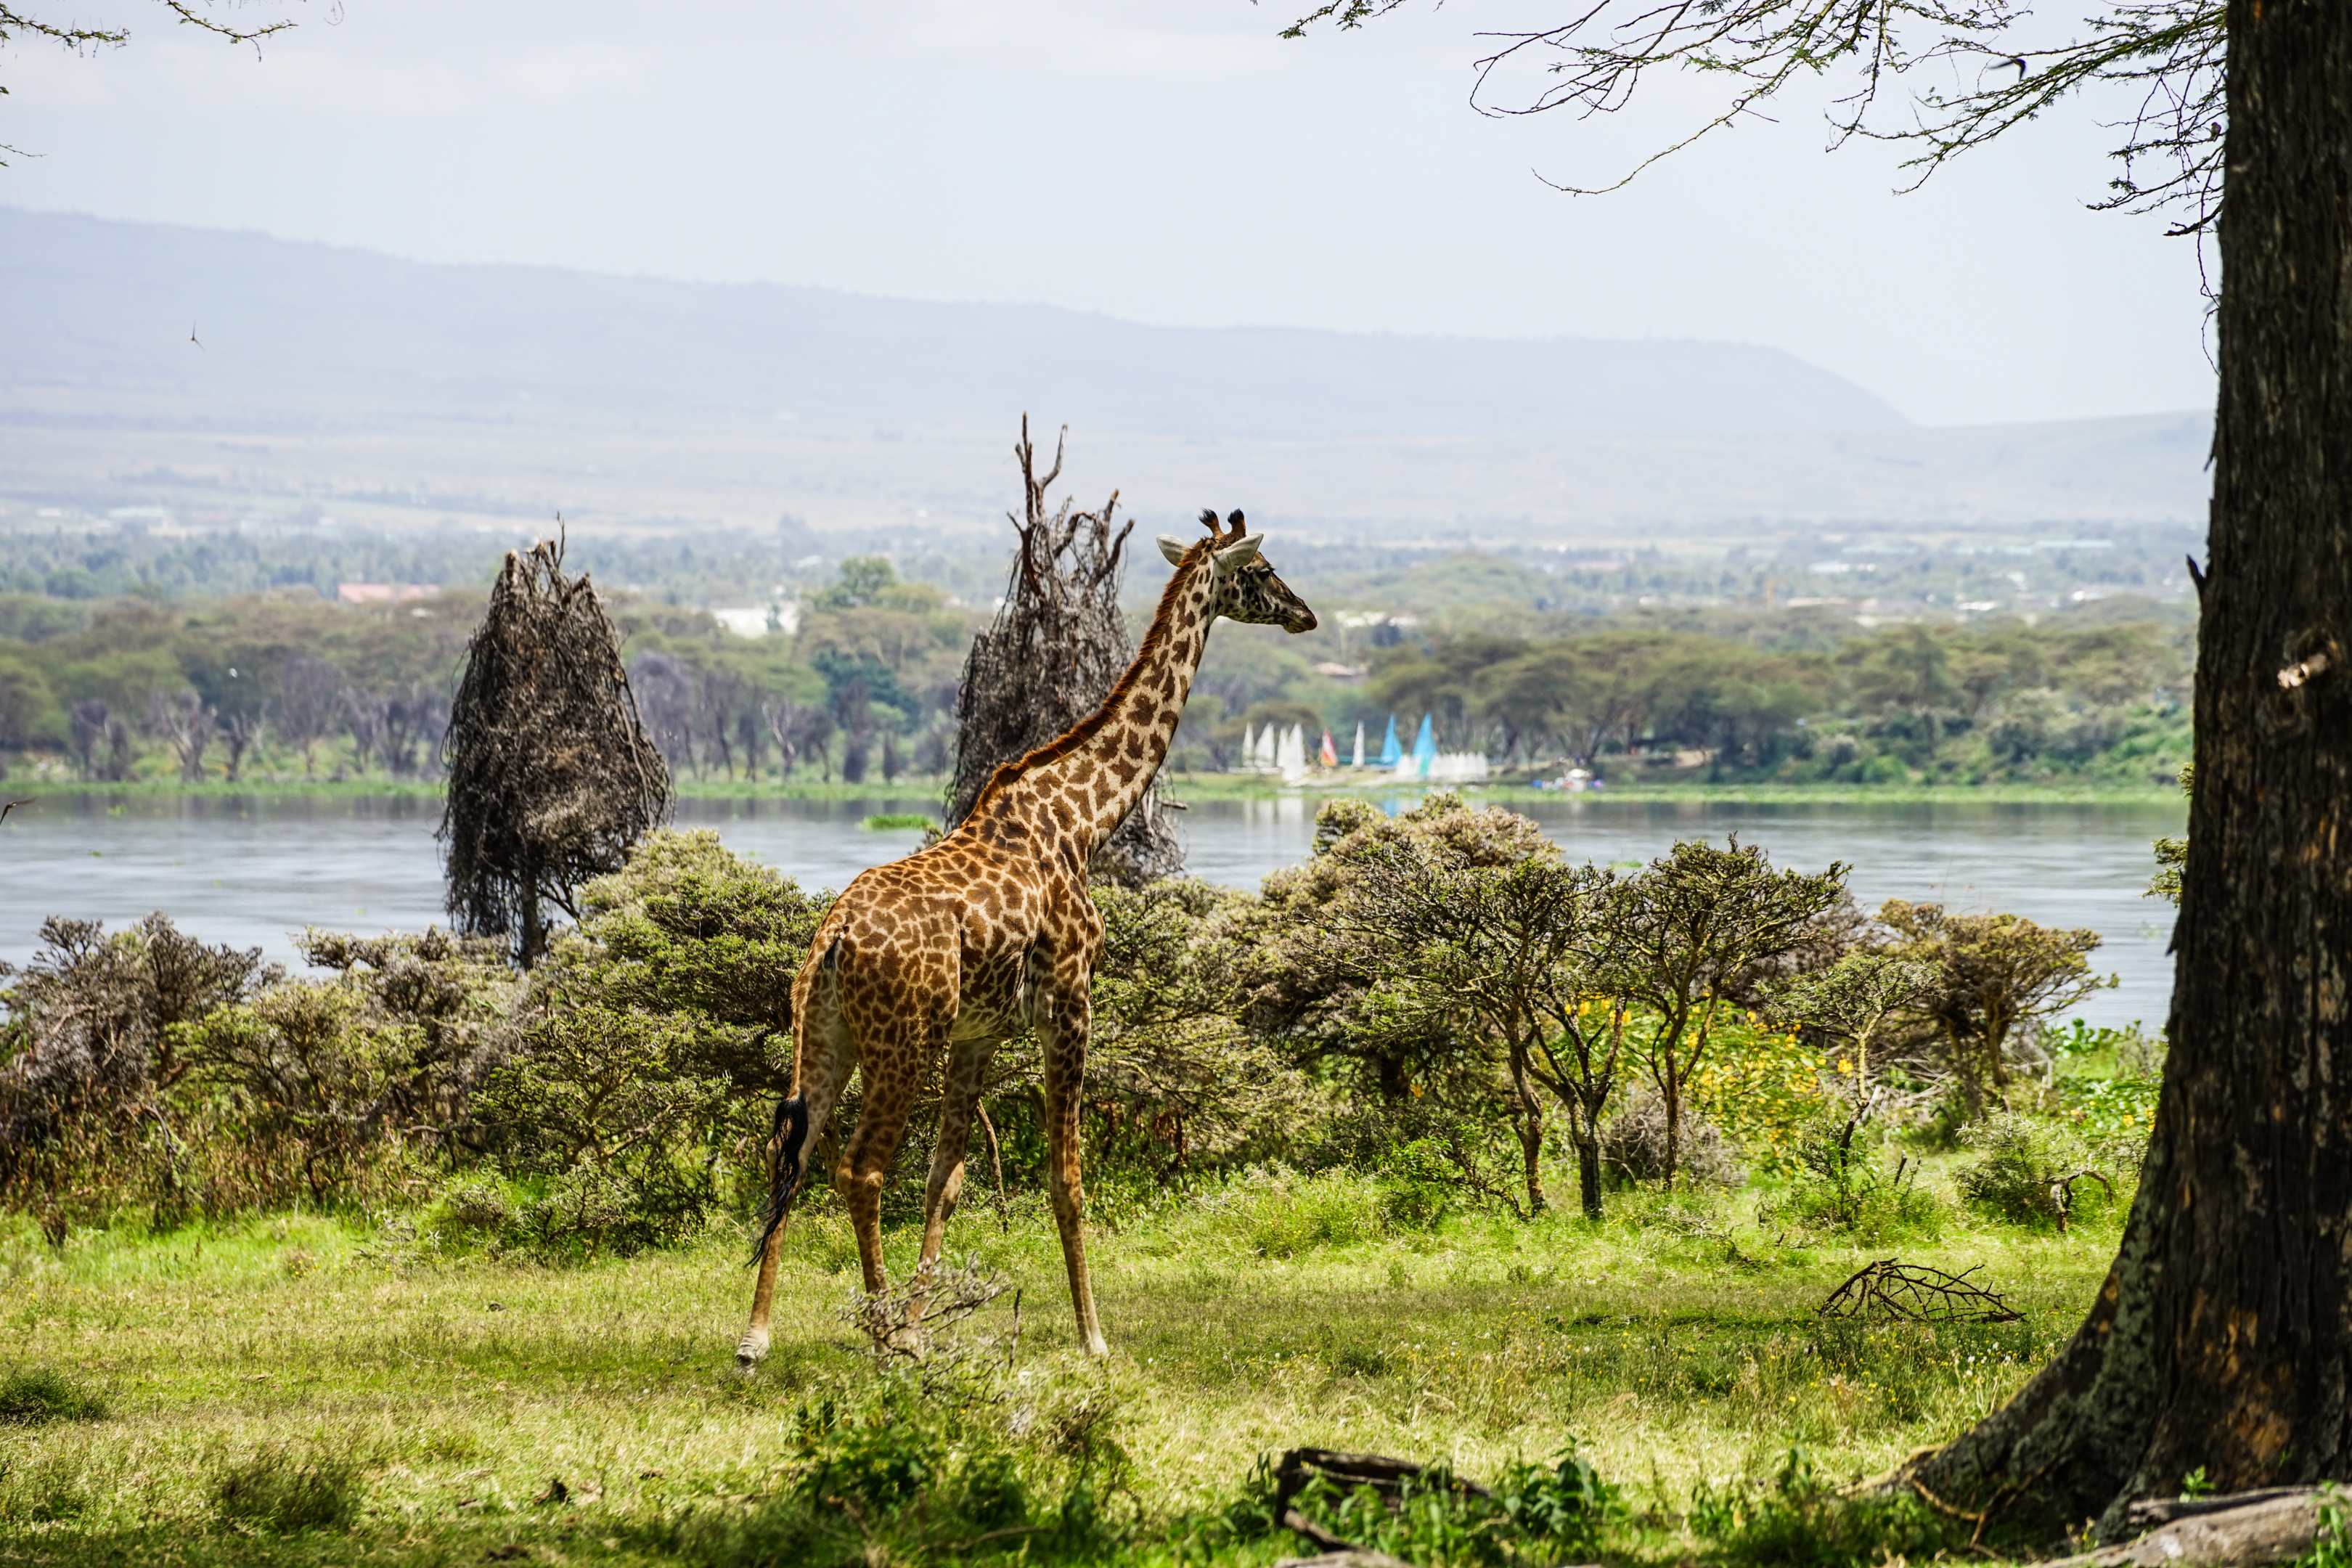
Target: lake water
251,871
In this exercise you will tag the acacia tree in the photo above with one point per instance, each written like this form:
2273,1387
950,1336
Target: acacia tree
1496,950
1856,998
1685,933
2221,1341
550,776
1987,974
1339,971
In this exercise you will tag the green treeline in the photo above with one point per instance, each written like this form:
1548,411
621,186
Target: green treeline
1971,704
288,686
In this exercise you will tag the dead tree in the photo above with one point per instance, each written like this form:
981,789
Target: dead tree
1058,647
550,776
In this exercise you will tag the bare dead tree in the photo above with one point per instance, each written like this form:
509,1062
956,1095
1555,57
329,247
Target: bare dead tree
416,717
365,714
665,683
187,723
308,704
241,733
552,778
1058,647
101,741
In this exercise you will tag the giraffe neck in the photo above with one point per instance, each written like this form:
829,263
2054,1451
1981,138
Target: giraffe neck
1092,777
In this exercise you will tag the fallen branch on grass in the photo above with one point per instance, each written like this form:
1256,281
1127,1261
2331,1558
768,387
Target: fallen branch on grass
904,1322
1915,1293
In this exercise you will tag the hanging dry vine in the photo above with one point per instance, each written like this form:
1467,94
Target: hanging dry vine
1057,648
550,776
1915,1293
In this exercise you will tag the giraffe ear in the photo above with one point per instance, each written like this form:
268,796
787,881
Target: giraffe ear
1239,551
1173,549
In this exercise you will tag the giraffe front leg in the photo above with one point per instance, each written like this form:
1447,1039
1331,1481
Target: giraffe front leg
1063,1033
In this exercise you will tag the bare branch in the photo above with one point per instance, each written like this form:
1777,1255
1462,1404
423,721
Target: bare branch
1593,62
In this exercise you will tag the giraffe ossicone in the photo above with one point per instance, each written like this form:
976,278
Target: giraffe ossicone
930,962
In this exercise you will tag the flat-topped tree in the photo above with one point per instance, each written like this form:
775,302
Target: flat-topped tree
552,778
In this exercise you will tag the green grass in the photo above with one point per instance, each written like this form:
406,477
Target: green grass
896,821
299,1389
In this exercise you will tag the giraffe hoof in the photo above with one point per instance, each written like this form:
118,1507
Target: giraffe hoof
751,1351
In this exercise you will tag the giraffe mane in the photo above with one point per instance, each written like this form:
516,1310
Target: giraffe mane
1085,729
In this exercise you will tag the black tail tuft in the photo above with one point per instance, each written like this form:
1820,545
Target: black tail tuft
791,1135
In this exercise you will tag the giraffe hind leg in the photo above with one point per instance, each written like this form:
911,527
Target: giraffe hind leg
826,1057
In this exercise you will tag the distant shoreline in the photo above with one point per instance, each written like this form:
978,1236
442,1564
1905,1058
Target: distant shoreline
1184,787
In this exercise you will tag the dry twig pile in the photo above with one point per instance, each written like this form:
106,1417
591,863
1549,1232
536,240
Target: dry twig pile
1056,648
550,776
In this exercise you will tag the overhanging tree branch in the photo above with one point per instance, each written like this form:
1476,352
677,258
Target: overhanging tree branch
1592,63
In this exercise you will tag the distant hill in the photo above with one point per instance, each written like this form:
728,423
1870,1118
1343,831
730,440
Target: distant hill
397,394
102,312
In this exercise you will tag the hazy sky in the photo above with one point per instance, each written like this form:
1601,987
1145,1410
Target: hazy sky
1166,161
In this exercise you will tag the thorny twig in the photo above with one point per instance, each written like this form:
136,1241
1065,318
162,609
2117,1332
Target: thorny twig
903,1323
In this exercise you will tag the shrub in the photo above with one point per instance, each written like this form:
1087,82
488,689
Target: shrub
478,1206
606,1108
637,1096
2030,1168
281,1491
1634,1144
30,1396
1533,1513
1276,1213
1842,1181
86,1046
906,1464
334,1089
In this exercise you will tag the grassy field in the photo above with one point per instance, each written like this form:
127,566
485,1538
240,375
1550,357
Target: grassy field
174,1392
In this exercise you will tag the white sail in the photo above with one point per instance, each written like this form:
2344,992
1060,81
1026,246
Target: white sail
1291,759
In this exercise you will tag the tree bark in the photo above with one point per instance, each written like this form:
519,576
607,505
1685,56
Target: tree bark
1531,1130
1588,1170
2222,1338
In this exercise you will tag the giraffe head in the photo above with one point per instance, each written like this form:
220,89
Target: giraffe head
1246,586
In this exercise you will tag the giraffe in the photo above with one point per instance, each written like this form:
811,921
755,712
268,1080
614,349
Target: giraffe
940,957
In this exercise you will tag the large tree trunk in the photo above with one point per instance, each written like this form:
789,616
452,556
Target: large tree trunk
2223,1337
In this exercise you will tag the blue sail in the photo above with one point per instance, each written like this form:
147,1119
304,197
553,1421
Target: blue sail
1391,753
1424,747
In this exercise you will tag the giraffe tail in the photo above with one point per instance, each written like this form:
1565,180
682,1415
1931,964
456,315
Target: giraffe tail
789,1138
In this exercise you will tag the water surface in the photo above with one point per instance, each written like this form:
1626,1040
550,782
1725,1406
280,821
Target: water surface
252,870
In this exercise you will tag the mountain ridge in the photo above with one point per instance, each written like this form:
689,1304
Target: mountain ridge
91,303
